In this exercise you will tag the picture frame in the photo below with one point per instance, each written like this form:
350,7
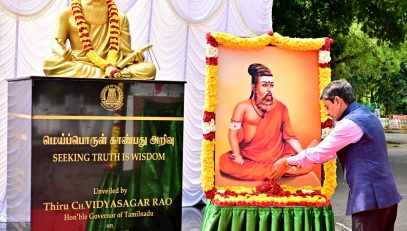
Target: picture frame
227,60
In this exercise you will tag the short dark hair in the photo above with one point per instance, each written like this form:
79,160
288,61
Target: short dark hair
340,88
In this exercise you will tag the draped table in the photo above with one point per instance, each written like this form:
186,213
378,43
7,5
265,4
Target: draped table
267,218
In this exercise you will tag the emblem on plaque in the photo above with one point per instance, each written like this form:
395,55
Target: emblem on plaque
111,97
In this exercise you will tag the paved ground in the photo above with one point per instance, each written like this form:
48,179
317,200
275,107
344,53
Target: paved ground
396,138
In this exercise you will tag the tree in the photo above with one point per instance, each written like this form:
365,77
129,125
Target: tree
369,42
382,19
376,70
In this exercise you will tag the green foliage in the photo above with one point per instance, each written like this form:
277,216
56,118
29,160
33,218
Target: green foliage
402,107
369,47
382,19
377,71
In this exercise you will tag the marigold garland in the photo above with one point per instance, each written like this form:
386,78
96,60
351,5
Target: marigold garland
263,200
324,79
108,65
297,43
214,39
269,193
207,148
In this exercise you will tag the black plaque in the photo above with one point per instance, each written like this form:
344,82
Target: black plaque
102,154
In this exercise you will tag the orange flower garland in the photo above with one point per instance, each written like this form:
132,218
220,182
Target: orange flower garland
108,65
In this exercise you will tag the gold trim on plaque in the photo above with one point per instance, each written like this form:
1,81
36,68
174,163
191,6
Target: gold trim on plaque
19,115
67,117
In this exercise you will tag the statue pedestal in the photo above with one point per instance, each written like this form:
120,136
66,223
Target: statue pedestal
95,153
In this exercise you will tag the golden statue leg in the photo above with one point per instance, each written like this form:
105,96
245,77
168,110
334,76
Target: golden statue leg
57,66
142,70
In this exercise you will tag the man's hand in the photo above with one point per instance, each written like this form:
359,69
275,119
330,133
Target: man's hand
238,159
280,167
313,143
296,171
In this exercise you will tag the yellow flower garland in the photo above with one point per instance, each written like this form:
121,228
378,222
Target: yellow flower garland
264,198
109,64
324,79
209,164
208,147
297,43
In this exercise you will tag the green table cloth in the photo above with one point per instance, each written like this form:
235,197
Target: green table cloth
269,218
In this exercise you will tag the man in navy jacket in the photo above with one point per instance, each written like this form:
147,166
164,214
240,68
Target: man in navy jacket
359,143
